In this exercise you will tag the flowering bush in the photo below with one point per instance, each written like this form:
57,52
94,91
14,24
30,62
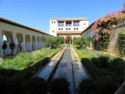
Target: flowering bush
109,20
104,25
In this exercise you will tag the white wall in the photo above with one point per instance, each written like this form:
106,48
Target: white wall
89,33
15,29
54,27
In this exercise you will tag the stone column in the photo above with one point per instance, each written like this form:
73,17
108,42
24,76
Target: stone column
31,46
15,41
64,23
24,43
72,23
36,42
1,43
45,44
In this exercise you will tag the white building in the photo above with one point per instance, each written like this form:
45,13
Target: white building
67,25
31,38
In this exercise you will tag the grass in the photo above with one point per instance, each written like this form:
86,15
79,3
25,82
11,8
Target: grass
87,53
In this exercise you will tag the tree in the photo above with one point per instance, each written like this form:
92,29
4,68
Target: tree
54,42
80,42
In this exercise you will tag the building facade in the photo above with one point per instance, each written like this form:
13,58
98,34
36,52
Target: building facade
30,38
68,27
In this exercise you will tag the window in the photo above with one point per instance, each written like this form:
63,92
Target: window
84,23
53,31
68,28
61,23
51,22
68,23
76,23
75,28
61,28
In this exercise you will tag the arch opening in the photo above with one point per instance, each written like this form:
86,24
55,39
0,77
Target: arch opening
68,40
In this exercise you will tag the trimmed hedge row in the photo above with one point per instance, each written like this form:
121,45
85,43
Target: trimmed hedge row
59,86
107,73
34,86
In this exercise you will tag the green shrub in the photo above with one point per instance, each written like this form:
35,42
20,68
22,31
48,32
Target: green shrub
87,86
106,71
101,61
14,86
117,65
3,84
35,86
92,70
54,42
82,42
106,85
59,86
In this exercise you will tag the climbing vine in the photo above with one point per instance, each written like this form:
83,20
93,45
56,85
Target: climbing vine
105,24
121,43
104,40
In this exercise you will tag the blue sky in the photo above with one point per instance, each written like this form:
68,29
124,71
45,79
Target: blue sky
36,13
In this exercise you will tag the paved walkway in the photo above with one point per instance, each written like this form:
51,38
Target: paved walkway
46,71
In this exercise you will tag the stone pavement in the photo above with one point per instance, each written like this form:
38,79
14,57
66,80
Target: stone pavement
80,71
47,70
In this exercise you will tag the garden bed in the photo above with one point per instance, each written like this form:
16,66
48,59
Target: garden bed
107,72
26,62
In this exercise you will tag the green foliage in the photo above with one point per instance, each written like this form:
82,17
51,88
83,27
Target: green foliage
87,86
14,86
26,64
81,42
59,86
101,61
24,60
104,40
107,71
121,43
54,42
15,72
35,86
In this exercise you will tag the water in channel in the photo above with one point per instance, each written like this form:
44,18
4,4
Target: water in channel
65,69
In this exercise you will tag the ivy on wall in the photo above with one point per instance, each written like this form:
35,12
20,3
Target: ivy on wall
104,40
121,43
